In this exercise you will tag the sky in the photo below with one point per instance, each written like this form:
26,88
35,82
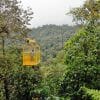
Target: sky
51,11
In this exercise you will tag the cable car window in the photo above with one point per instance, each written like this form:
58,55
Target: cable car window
27,49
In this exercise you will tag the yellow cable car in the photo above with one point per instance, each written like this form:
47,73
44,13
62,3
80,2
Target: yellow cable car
31,53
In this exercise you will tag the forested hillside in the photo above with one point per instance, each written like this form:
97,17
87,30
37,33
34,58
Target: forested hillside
52,38
70,65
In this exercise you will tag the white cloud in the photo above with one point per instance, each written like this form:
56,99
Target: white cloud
51,11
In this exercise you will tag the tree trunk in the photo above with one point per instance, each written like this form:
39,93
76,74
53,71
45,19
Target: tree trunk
6,93
6,89
3,46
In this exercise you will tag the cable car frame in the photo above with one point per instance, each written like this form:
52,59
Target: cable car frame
31,53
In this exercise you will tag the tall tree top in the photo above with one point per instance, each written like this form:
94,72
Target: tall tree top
13,18
88,13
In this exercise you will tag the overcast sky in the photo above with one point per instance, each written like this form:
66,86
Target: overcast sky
51,11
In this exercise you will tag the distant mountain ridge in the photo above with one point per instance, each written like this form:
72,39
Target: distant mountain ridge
52,37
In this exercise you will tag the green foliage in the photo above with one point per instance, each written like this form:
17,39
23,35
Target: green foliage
82,58
5,65
23,83
5,72
54,80
60,57
82,52
88,13
13,18
89,94
20,80
51,38
52,77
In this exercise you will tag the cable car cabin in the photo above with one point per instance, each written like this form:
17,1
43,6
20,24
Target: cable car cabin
31,53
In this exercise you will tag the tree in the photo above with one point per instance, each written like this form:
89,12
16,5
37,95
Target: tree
82,52
89,13
23,83
89,94
82,59
13,19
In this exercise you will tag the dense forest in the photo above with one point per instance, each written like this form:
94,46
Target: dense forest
52,38
70,55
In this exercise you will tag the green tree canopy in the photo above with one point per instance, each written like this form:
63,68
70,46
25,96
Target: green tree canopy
13,18
89,13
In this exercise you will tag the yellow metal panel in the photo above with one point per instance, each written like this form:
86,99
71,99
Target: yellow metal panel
30,60
31,53
26,59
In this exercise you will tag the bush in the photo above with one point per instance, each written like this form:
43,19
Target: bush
82,59
89,94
